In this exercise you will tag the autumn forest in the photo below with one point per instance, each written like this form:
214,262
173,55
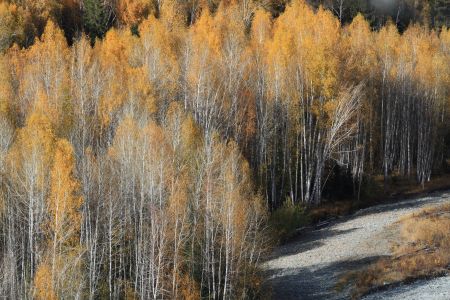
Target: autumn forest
144,145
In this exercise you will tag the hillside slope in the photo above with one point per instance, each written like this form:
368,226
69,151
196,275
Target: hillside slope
309,267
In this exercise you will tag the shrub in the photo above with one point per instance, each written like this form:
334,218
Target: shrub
287,219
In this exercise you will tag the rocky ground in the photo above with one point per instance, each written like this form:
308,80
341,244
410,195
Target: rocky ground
434,289
309,267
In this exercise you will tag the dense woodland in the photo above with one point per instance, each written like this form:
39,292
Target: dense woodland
143,144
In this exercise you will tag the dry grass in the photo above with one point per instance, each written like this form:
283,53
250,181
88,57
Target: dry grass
423,250
409,187
329,210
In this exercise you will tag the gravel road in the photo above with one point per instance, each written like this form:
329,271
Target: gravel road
308,267
434,289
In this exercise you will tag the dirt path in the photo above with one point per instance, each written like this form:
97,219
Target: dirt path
309,267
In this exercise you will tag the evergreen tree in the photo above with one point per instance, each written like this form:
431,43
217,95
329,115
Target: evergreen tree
97,18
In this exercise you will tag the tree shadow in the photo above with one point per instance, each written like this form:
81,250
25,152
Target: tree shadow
414,202
317,282
309,240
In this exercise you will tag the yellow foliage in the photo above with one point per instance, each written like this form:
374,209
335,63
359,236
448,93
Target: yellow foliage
160,61
47,71
387,41
59,276
34,145
13,24
207,35
172,15
6,92
159,149
261,27
132,12
64,201
359,53
114,50
127,132
178,201
43,283
140,93
278,83
190,134
304,44
189,289
114,53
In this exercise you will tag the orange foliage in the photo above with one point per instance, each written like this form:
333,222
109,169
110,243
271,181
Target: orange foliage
114,52
14,24
359,54
261,29
34,143
43,283
48,69
305,41
64,201
132,12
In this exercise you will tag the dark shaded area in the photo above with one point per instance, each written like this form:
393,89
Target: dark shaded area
311,284
434,13
340,183
313,239
411,203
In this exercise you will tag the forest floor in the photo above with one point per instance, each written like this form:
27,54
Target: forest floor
309,266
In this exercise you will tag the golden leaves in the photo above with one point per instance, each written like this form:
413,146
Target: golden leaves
206,34
13,23
43,283
64,201
6,92
46,69
113,54
358,52
160,61
304,47
190,134
261,27
172,15
33,147
132,12
189,289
